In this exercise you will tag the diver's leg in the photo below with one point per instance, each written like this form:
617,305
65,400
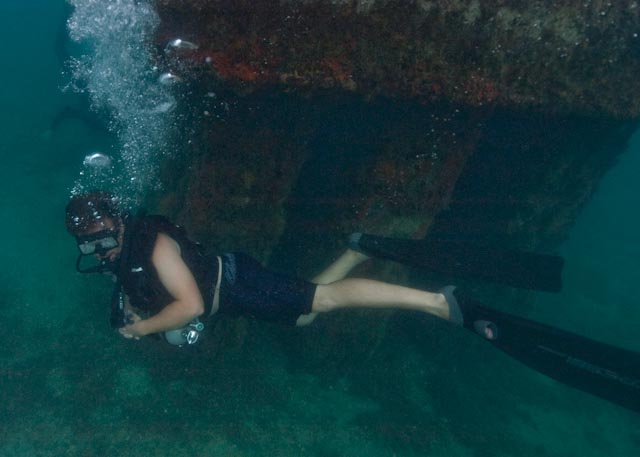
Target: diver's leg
336,271
367,293
340,268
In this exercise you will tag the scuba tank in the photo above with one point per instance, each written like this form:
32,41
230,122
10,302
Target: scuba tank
189,334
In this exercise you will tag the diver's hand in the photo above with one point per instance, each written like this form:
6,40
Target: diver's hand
132,329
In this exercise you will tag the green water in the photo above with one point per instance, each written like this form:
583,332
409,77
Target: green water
602,268
69,386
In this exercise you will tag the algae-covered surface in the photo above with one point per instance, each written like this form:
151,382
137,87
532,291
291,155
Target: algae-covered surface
348,386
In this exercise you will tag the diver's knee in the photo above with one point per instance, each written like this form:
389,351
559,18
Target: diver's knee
323,300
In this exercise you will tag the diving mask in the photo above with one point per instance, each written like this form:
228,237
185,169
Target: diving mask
98,243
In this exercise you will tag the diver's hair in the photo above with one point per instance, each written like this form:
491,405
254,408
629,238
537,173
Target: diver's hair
85,211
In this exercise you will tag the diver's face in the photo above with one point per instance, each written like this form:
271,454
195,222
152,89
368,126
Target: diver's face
103,234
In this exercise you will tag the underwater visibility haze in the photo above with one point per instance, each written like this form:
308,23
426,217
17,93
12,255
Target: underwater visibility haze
262,146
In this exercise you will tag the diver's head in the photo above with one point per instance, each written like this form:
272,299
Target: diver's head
87,211
95,221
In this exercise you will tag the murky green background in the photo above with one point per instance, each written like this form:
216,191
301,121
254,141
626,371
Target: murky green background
69,386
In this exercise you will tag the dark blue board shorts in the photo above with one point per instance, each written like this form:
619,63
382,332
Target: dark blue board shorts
248,289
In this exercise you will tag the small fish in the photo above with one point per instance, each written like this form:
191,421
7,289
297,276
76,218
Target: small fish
169,78
97,160
179,43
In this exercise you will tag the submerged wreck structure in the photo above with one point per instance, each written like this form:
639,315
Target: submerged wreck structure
482,108
309,119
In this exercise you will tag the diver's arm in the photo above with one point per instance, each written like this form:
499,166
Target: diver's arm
179,282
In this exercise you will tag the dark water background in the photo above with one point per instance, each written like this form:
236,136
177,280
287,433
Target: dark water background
68,386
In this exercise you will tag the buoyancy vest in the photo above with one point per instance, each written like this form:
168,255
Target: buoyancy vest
139,278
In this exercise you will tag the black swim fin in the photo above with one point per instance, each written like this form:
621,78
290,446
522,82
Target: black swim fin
466,260
600,369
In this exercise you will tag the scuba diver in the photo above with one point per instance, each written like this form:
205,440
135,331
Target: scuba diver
165,284
165,277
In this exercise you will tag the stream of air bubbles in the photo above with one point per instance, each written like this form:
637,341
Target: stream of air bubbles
118,74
